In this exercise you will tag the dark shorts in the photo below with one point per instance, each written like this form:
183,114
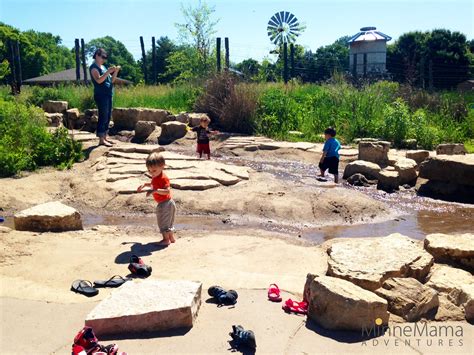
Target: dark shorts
331,163
203,148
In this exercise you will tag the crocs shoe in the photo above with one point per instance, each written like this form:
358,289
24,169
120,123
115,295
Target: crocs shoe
138,267
242,337
222,296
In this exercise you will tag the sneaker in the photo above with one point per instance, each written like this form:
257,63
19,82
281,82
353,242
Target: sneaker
242,337
222,296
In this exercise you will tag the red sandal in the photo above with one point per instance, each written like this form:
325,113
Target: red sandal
274,293
295,307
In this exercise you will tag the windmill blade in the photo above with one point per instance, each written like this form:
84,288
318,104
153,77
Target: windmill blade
274,19
287,15
272,23
293,22
282,14
280,20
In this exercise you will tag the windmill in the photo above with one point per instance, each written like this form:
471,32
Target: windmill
284,28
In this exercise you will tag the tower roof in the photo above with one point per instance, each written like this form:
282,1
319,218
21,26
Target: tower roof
369,34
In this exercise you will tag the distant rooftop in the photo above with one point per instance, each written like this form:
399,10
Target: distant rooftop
64,76
369,34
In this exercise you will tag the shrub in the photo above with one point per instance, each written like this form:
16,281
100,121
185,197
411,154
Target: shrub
25,144
229,105
396,122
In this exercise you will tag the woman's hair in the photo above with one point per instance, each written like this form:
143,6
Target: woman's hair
155,159
100,52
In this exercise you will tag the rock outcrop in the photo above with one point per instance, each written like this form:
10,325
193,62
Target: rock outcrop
127,118
51,106
452,248
451,149
368,169
375,152
171,131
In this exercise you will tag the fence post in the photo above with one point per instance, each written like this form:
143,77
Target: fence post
226,45
12,68
78,61
430,74
285,62
153,58
292,59
84,64
422,72
145,76
18,67
218,54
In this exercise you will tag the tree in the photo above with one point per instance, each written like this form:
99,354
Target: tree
185,64
197,30
410,58
249,67
117,55
164,48
40,52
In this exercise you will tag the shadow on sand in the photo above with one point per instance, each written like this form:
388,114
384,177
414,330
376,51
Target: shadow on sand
342,336
138,249
147,335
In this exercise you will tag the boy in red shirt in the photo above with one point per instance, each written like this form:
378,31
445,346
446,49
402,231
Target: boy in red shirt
160,184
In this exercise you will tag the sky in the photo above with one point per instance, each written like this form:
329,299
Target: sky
244,22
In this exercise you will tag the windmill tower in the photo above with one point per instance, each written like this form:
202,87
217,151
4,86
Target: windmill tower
284,28
368,52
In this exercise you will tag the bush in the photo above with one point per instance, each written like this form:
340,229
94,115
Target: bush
396,123
25,144
229,105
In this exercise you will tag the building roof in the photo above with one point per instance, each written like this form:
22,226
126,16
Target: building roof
64,76
369,34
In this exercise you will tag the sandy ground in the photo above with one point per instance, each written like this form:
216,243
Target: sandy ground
40,315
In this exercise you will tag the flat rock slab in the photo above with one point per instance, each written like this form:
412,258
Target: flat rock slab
127,186
187,174
117,177
338,304
48,217
447,279
129,169
138,148
147,306
348,152
408,298
368,262
129,155
124,161
192,184
180,164
84,137
176,156
458,248
239,171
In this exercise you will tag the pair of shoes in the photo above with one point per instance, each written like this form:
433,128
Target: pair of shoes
138,267
295,307
86,288
85,343
241,337
222,296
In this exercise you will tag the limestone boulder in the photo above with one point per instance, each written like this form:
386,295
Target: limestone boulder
378,259
340,305
126,118
48,217
54,119
182,117
408,298
406,169
451,149
359,180
453,248
444,278
194,119
193,184
368,169
143,129
73,114
454,169
143,306
388,180
51,106
446,191
171,131
417,155
375,152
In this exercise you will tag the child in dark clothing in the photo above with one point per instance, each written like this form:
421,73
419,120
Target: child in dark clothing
202,134
330,158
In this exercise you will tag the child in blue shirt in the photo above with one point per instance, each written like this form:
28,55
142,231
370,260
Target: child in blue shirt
330,158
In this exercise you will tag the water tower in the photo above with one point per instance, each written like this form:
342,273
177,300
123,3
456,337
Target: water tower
368,52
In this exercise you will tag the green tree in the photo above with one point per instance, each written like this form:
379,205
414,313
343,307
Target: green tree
440,54
249,67
185,64
117,55
197,31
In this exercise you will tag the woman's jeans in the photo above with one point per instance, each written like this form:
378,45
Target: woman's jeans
104,106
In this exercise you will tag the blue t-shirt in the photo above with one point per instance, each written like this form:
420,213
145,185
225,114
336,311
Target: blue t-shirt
331,147
106,88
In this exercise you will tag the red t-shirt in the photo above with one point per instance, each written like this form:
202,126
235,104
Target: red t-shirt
160,182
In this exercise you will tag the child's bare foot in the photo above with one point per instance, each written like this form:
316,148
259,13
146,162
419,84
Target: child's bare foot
172,240
164,242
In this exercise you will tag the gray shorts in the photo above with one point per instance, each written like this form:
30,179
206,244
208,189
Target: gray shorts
165,212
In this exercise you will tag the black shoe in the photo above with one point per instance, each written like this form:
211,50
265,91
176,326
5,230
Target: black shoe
242,337
138,267
222,296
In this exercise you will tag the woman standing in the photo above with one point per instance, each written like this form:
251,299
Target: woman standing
103,80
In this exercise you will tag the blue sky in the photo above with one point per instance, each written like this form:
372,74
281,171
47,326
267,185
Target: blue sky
244,22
